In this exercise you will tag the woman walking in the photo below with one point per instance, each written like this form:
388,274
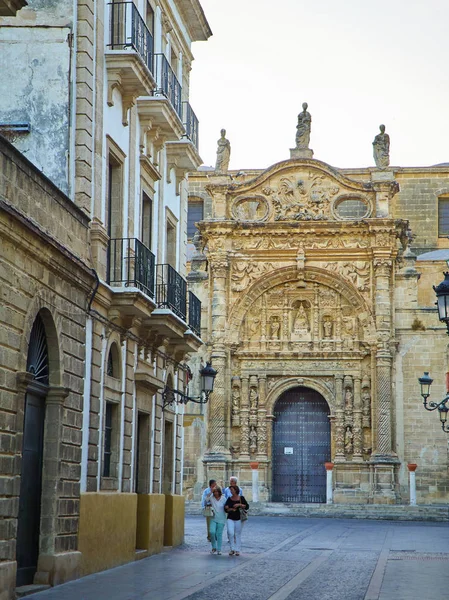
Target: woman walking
232,507
218,521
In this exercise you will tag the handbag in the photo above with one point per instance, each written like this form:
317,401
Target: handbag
208,511
243,514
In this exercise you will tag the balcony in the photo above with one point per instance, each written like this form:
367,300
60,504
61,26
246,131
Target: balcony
167,82
171,291
130,57
131,265
170,317
190,123
194,314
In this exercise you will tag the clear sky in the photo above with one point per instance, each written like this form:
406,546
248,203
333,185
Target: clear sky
358,63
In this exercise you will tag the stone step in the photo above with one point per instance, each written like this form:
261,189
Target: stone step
27,590
394,512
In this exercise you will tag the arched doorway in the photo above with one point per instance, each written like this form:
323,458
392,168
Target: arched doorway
28,526
301,446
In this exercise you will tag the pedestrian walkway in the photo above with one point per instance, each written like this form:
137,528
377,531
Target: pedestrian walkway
294,558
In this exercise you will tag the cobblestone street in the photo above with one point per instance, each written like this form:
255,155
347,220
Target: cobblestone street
286,558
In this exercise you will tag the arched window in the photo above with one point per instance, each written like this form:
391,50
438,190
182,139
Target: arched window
113,363
37,359
195,213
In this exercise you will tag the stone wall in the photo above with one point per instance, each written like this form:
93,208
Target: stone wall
405,296
43,271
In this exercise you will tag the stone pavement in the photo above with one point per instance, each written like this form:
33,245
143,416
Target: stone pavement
286,558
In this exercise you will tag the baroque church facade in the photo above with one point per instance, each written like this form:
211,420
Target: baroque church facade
318,312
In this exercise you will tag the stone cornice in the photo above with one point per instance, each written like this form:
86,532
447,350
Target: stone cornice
287,165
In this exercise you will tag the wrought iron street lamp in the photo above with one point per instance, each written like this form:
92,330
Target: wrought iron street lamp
208,374
425,382
442,293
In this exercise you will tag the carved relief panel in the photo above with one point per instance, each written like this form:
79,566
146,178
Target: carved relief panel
314,318
306,194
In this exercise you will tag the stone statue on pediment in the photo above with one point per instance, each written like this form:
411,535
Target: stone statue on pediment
223,153
381,149
303,128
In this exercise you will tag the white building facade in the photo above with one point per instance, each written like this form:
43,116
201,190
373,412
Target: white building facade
96,96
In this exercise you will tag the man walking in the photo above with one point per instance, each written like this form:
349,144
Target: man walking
232,481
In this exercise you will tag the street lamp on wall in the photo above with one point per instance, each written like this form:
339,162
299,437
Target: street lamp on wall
425,382
442,293
208,374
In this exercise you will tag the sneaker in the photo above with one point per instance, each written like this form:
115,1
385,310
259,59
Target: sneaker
213,551
231,552
219,552
237,553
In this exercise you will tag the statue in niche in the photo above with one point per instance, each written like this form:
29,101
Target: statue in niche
223,153
366,407
349,440
235,400
349,397
253,327
348,333
253,398
275,327
253,439
303,128
327,328
301,327
381,149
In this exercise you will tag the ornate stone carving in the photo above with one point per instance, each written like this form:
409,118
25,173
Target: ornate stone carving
244,434
349,448
303,200
382,267
348,333
381,149
366,407
245,272
223,153
250,209
235,405
262,434
357,273
327,327
301,323
220,267
275,327
253,439
253,398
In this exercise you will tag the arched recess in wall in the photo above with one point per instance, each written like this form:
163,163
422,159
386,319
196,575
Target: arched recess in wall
41,444
113,362
312,275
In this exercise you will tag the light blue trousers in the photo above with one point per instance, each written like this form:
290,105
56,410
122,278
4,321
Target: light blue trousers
216,534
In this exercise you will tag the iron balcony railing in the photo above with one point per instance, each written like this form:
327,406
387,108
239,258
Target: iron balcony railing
190,123
167,83
131,263
128,30
194,314
171,290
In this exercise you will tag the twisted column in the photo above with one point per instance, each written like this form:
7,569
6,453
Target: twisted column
339,420
219,399
383,268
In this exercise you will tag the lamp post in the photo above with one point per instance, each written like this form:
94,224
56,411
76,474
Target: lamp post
208,374
425,382
442,294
